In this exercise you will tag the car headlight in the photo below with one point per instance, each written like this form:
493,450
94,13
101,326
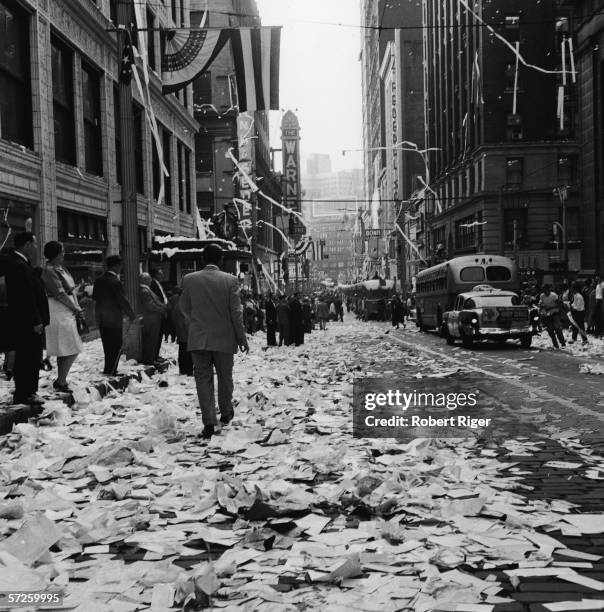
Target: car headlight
536,318
474,321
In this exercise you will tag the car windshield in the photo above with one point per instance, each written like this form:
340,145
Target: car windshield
486,301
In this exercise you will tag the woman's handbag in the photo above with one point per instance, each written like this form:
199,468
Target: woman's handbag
81,324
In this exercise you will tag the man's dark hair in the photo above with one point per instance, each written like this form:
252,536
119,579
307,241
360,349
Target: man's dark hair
154,272
113,260
52,249
22,238
212,254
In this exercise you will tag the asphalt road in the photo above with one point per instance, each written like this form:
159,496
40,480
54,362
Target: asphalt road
551,378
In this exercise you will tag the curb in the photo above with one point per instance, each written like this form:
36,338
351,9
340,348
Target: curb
11,415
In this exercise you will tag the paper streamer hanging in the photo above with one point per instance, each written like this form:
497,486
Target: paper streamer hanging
515,102
267,275
289,244
506,42
8,229
560,107
571,53
436,198
410,243
473,224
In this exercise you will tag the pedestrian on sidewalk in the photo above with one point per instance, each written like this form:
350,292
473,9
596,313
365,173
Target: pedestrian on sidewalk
271,321
598,307
28,316
211,304
296,323
577,313
549,312
179,322
165,328
283,321
322,313
154,312
111,307
306,316
62,337
396,311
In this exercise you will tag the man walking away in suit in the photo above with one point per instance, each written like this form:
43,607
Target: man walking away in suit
210,302
111,306
157,275
271,321
154,311
28,316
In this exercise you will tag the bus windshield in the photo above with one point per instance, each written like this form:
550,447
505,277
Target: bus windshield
498,274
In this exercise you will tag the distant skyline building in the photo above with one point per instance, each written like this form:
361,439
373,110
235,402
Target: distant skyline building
318,163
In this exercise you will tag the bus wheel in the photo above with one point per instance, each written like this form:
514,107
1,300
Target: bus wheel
467,341
526,340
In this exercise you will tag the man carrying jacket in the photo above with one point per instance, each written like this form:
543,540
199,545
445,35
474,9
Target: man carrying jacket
211,304
111,306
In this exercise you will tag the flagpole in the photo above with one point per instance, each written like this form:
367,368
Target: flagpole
128,170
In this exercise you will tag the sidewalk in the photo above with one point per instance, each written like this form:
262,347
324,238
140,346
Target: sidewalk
284,510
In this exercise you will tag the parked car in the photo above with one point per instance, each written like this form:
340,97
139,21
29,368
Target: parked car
492,314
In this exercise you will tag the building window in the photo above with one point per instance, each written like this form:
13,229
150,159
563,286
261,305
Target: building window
174,12
204,153
566,170
202,89
188,180
512,28
91,102
468,232
514,172
15,90
76,227
205,204
181,177
62,102
113,11
151,39
520,216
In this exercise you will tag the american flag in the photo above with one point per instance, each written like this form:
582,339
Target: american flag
127,60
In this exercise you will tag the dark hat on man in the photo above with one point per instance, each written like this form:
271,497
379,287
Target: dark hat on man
113,260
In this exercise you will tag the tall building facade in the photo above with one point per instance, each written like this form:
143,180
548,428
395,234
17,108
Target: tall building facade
589,45
393,128
504,169
60,147
222,128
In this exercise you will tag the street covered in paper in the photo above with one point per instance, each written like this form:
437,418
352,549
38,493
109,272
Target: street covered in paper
117,503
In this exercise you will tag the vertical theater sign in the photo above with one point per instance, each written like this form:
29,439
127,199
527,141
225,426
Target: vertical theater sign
290,143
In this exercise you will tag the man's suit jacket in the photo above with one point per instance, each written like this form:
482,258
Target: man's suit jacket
283,314
111,303
211,303
157,288
152,305
27,302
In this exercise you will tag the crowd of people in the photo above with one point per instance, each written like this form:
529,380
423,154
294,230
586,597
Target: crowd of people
576,306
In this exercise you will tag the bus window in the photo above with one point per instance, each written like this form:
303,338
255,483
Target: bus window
470,304
473,274
498,274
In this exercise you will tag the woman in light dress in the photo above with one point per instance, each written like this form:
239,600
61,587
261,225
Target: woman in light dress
62,337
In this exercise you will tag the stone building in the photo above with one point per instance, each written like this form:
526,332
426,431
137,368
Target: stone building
59,144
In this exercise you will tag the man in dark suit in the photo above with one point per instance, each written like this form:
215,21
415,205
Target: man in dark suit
157,275
211,304
296,326
28,316
271,321
111,306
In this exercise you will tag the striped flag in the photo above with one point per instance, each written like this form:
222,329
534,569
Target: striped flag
256,53
188,54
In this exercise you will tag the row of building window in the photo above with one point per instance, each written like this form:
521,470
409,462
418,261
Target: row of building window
16,113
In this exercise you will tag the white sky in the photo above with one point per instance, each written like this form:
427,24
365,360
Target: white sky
320,75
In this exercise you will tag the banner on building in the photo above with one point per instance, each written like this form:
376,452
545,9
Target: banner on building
256,53
189,54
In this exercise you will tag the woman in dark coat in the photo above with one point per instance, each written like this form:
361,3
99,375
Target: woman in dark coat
306,316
